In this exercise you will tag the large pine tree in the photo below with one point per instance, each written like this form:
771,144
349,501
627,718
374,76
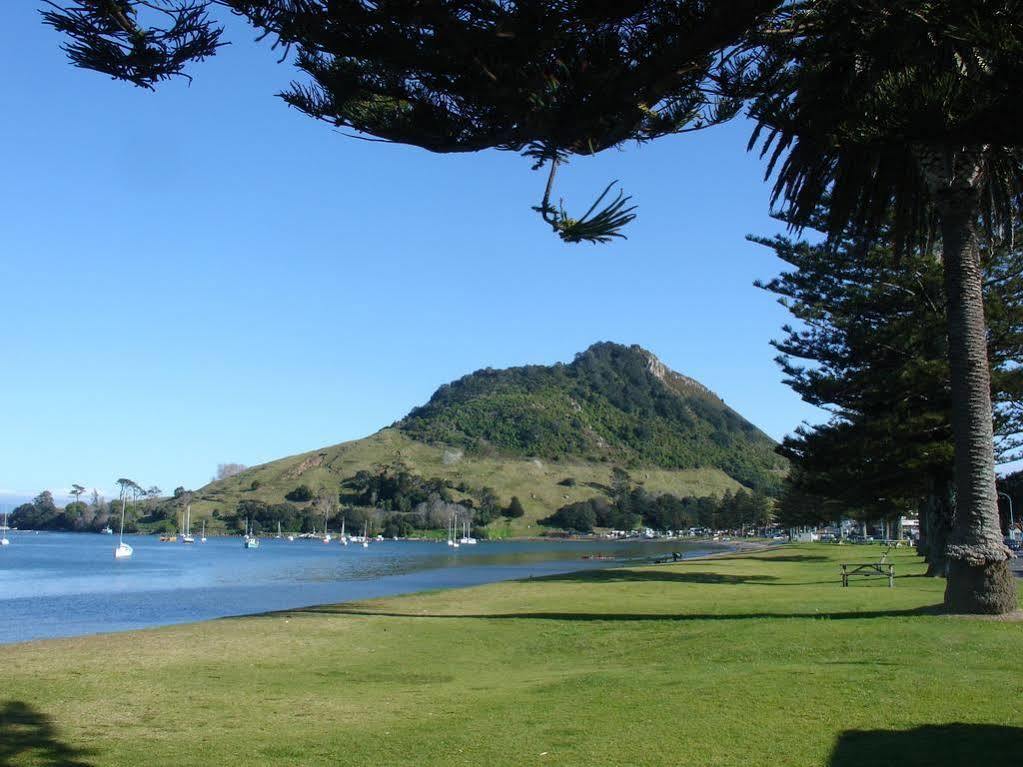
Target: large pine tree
869,348
905,109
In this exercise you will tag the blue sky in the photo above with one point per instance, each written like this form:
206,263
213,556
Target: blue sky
202,275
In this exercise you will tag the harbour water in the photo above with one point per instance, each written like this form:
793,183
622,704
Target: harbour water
68,584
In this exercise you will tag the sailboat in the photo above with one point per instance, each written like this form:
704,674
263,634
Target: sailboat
3,532
123,550
278,536
344,538
466,538
202,536
451,532
251,541
365,535
454,526
187,536
326,532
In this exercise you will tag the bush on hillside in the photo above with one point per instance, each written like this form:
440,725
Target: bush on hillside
300,494
514,509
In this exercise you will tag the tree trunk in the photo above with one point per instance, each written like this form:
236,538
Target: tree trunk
979,577
923,539
936,524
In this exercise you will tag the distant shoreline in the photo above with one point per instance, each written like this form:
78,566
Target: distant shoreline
430,539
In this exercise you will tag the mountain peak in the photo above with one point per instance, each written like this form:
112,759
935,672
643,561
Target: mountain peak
612,403
620,354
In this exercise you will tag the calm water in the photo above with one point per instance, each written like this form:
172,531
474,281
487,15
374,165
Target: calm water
66,584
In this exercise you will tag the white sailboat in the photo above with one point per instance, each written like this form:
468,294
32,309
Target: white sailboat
326,532
344,538
278,536
202,536
365,535
123,550
451,532
187,536
454,527
3,532
466,538
251,541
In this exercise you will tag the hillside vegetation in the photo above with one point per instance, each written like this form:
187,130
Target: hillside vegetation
548,435
612,403
535,482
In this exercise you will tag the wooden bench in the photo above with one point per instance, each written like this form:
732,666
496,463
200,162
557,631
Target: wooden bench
881,567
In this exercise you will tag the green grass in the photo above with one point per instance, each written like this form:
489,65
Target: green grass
755,659
535,482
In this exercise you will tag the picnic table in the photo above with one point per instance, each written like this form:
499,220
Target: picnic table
882,567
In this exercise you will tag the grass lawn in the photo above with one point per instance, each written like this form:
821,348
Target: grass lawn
758,659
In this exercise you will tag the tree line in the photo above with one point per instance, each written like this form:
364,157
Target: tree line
627,506
390,499
142,506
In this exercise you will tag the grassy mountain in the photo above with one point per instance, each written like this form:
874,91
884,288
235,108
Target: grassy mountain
547,434
612,403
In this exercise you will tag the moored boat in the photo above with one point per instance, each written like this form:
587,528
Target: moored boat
187,536
250,540
123,550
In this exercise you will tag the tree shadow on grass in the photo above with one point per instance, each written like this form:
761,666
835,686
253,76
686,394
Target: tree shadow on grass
616,575
767,558
945,745
628,575
30,737
343,610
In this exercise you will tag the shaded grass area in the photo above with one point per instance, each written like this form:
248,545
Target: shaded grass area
756,659
985,744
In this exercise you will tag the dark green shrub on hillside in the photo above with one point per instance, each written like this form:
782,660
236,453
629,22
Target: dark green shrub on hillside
514,509
579,517
392,488
300,494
